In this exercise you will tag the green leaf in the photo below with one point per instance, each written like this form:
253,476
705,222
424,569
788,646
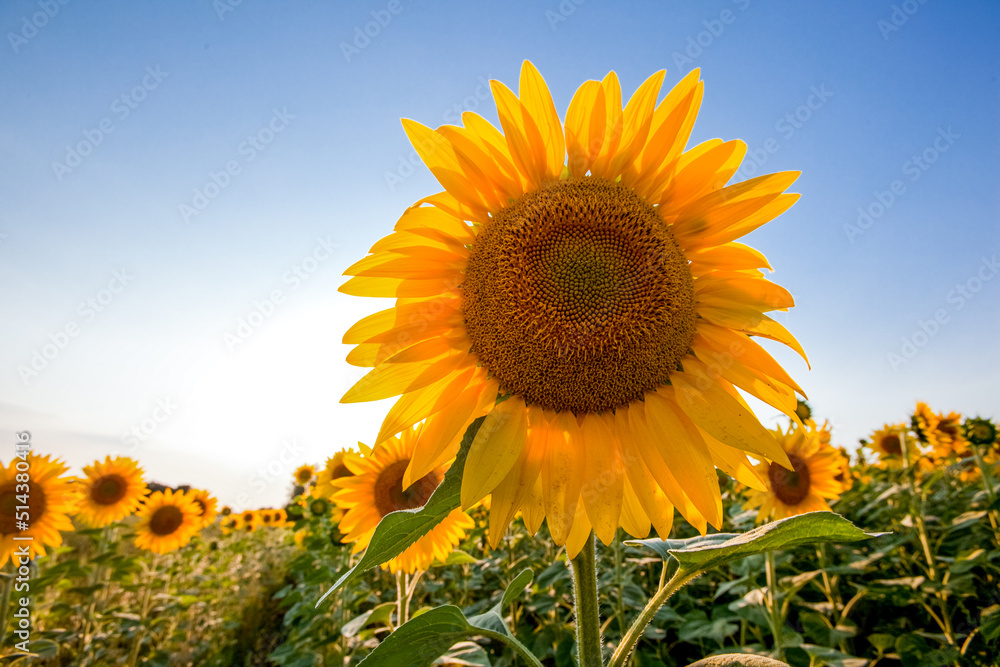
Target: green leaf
379,615
422,640
398,530
810,528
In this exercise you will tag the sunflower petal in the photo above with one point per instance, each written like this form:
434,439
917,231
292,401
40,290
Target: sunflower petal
495,449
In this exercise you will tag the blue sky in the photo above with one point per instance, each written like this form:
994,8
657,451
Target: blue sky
182,185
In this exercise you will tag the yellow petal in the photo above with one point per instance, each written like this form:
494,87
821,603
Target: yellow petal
768,328
579,533
702,398
537,101
585,127
633,518
415,406
638,119
614,127
685,452
495,449
603,477
514,490
561,478
521,133
439,156
388,380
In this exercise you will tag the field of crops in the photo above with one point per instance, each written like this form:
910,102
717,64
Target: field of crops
129,576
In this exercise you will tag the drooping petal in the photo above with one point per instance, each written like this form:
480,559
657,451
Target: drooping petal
495,449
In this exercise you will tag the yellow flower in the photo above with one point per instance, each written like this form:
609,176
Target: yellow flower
248,518
334,469
229,524
110,491
807,487
167,521
280,517
887,442
205,503
942,432
34,491
600,289
226,510
305,474
300,537
376,489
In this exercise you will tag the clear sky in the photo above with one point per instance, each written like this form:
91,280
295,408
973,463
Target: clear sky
182,185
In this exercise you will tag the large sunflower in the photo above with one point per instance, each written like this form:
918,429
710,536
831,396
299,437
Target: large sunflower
600,291
167,521
205,502
376,488
812,480
35,504
334,469
110,491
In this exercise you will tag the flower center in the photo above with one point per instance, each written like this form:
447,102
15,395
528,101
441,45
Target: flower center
303,476
389,493
108,490
166,520
577,297
892,445
10,500
791,486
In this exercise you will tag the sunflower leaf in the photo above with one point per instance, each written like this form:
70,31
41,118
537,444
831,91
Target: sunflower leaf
423,639
398,530
702,553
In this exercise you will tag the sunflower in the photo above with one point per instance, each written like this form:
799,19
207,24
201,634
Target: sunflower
300,537
942,432
887,442
305,474
34,491
334,469
376,488
318,506
248,518
205,503
597,310
226,510
808,485
167,521
280,518
229,524
110,491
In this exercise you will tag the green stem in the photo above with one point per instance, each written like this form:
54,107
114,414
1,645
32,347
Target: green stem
620,602
8,581
588,617
984,473
777,623
635,631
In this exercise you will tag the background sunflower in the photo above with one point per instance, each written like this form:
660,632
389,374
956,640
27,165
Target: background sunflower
110,490
376,488
205,502
167,521
334,469
597,287
812,481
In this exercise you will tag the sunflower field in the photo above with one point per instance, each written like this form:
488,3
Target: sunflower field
571,473
127,576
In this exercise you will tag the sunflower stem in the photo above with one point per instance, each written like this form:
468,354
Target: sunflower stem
777,622
8,578
680,577
587,609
